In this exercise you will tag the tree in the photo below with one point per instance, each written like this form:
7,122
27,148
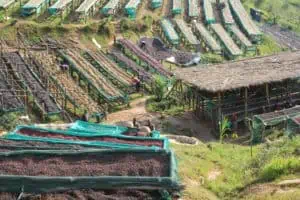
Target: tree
224,128
159,87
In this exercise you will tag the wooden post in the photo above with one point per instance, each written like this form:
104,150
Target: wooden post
268,95
219,108
246,102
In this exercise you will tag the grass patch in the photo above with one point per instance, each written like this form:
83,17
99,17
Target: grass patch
166,107
287,11
234,166
279,167
268,46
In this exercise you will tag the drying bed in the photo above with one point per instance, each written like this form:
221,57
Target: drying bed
193,8
186,31
92,164
208,12
207,37
238,9
34,132
13,145
226,14
98,169
244,40
40,93
87,194
156,65
169,31
227,40
9,100
85,6
120,57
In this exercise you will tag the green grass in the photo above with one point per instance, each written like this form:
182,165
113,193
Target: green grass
287,11
235,166
268,46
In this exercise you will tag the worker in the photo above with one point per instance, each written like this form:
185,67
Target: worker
143,44
85,116
137,83
234,121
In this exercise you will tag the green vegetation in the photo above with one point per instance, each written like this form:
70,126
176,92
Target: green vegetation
140,25
286,12
223,171
8,121
268,46
211,58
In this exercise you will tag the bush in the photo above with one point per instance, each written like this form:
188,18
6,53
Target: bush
141,25
106,28
8,121
280,166
159,87
211,58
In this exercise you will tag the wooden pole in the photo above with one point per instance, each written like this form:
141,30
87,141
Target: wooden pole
246,102
268,95
219,107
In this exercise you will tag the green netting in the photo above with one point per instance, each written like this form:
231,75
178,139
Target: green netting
16,135
98,129
37,184
293,126
102,129
94,144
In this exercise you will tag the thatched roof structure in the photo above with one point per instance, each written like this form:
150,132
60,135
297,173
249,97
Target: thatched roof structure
242,73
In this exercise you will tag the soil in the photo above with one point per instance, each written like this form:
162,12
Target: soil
106,164
40,93
88,194
284,37
12,145
186,124
36,133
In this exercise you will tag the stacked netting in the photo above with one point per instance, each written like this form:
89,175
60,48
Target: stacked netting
208,12
193,11
176,7
156,3
131,8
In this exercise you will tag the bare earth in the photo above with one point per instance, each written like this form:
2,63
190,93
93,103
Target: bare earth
185,124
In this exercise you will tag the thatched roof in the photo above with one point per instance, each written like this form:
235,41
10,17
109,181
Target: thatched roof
242,73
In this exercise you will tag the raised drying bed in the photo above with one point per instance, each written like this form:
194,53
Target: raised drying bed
99,169
84,136
86,194
14,145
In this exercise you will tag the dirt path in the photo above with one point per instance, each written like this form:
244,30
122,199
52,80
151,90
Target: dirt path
283,37
137,110
186,124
